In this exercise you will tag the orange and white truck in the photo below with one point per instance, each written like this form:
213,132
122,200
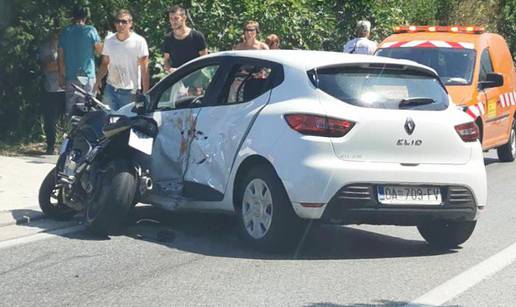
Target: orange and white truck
477,69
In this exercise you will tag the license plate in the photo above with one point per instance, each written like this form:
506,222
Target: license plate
409,195
140,141
63,146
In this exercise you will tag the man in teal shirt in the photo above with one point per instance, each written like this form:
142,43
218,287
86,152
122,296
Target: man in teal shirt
78,43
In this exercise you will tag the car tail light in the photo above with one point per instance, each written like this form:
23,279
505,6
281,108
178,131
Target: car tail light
468,132
318,125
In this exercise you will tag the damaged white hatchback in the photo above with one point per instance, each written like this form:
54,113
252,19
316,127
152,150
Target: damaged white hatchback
284,137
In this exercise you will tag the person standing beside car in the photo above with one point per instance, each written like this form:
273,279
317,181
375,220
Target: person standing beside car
182,44
251,30
125,59
78,43
273,41
361,44
54,96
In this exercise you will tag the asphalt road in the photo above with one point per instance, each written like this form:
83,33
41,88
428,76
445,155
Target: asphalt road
197,259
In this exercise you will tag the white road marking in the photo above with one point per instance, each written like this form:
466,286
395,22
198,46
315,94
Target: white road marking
40,236
467,279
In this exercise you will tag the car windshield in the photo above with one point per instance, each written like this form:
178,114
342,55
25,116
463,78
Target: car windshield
380,87
454,66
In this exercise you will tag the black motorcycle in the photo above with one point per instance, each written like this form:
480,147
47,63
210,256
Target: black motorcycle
102,166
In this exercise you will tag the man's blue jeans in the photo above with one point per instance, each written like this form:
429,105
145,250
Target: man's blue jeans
116,97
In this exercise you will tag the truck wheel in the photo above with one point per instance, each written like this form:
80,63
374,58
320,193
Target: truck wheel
507,152
446,234
113,198
51,199
266,218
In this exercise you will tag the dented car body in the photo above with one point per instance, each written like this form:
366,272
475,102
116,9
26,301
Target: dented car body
283,137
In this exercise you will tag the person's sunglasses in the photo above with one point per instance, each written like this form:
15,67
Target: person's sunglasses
122,21
250,30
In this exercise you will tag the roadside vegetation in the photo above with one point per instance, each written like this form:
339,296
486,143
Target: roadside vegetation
301,24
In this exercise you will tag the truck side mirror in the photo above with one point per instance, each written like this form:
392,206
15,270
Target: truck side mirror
141,103
492,80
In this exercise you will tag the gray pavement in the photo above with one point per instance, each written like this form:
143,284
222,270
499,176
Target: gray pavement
20,178
193,259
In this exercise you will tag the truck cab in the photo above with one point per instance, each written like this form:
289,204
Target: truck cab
477,69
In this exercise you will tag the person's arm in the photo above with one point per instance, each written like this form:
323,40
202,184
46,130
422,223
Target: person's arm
201,44
61,66
98,48
144,70
103,69
96,41
166,63
48,63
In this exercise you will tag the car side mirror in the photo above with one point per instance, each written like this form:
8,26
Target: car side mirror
492,80
141,103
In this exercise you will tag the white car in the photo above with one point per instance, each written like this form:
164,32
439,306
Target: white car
283,137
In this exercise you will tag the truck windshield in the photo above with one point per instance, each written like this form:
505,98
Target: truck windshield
454,66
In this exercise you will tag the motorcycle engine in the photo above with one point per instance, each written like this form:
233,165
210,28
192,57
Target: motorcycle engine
70,163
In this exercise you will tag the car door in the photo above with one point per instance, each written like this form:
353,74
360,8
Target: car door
221,128
177,102
496,114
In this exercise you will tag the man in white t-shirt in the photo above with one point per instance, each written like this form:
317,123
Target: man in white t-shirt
125,58
361,44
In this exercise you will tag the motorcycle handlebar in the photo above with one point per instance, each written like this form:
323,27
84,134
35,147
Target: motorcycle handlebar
79,91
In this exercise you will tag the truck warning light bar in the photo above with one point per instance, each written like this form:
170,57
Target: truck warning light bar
453,29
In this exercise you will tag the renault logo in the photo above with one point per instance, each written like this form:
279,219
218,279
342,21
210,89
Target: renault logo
409,126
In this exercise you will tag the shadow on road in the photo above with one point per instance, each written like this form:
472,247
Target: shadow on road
488,161
216,235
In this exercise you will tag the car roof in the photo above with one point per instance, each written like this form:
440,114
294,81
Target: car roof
310,59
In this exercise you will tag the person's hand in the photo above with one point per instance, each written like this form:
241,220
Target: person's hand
171,70
97,87
61,81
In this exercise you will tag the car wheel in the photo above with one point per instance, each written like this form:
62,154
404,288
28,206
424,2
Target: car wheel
507,152
446,234
266,217
114,197
51,199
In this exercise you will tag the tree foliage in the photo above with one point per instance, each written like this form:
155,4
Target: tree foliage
301,24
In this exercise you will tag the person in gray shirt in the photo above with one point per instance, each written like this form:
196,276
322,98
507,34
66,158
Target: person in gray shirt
53,96
361,44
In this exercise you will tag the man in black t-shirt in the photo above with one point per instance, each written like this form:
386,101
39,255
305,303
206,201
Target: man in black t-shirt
183,43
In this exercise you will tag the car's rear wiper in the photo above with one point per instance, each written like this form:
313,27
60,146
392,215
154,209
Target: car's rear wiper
415,101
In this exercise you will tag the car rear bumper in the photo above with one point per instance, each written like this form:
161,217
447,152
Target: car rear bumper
358,204
319,179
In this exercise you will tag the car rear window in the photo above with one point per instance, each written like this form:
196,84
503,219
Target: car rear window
454,66
382,87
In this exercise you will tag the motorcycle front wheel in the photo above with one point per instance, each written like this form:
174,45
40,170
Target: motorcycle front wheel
51,199
114,196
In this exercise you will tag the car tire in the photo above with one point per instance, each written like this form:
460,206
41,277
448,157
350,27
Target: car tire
507,152
446,234
51,200
267,220
113,199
